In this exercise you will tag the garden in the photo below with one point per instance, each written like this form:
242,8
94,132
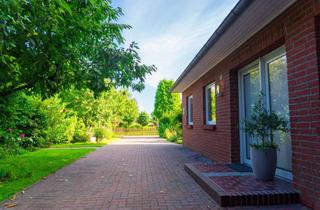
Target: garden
65,87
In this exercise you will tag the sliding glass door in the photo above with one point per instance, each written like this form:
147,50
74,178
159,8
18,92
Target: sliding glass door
251,87
269,76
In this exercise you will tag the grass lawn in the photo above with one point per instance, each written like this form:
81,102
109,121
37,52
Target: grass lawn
85,144
18,172
78,145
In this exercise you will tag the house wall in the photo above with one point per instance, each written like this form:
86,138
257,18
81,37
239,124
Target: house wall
298,29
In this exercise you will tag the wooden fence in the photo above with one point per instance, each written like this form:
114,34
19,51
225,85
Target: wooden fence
150,131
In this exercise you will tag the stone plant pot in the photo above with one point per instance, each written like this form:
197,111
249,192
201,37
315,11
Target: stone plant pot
264,163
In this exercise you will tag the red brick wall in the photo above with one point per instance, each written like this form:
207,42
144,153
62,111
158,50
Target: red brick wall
304,103
296,29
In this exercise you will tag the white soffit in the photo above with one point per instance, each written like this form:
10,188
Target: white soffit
257,15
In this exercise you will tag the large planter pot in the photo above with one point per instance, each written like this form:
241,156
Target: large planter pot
264,163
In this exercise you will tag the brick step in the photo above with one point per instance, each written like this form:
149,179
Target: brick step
233,188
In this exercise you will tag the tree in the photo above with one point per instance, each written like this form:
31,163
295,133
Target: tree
167,109
110,109
47,46
131,112
166,103
143,118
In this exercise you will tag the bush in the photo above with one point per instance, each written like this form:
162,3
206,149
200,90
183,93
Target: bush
143,118
164,124
102,133
108,134
135,125
61,123
80,133
171,135
21,115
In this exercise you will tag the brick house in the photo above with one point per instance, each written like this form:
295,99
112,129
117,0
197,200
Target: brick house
270,46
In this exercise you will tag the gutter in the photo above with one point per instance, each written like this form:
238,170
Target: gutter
240,7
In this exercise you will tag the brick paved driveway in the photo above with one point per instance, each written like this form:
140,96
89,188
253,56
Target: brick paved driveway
134,173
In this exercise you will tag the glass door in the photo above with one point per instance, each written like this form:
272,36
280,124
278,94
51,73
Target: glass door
277,92
269,75
251,89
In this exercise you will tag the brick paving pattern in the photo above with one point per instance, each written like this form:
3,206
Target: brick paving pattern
134,173
144,173
205,168
237,184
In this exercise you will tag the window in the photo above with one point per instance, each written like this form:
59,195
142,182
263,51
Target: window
210,104
190,111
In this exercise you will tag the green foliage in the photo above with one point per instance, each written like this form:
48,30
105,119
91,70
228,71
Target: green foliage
143,118
135,125
49,46
262,125
165,101
82,103
171,135
167,111
18,172
62,63
30,121
102,133
61,123
80,133
21,123
130,113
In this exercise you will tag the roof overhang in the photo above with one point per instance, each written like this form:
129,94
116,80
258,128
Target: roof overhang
245,20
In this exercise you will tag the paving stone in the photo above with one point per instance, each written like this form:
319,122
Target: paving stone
134,173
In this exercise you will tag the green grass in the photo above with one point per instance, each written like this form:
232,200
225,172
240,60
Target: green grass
85,144
78,145
18,172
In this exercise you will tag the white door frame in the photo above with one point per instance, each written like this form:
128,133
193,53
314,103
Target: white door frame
264,87
247,69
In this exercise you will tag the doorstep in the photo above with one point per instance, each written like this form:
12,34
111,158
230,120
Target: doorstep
235,185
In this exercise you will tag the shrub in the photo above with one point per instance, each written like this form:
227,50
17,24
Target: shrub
108,134
135,125
143,118
164,124
20,115
171,135
102,133
61,122
80,133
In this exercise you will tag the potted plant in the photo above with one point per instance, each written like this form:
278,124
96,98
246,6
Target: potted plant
261,126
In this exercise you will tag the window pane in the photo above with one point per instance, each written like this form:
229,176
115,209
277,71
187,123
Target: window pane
251,86
191,110
213,103
208,106
279,103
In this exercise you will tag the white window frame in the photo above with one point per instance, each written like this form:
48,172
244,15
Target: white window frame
208,122
189,114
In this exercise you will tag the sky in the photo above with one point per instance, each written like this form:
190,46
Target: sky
169,34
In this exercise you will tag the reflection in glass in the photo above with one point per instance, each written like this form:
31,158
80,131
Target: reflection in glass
251,85
278,89
211,104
